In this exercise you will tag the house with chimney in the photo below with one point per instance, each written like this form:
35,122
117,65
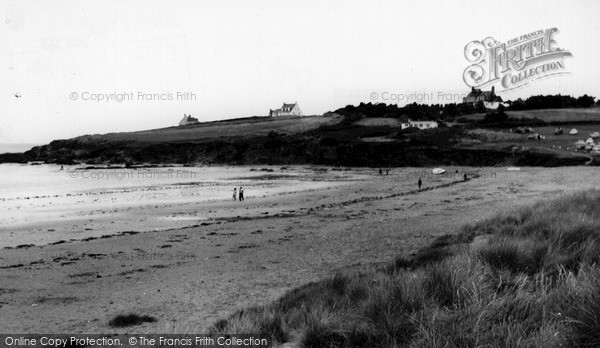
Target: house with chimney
187,119
286,110
489,98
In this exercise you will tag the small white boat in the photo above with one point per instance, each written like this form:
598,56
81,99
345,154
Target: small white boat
438,171
513,169
573,131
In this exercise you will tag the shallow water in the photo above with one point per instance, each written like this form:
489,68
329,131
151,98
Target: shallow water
43,204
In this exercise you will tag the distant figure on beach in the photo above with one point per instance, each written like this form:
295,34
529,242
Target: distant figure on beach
387,172
241,194
234,193
380,172
420,183
61,167
465,177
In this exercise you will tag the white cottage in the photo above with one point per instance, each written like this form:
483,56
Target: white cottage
287,110
187,119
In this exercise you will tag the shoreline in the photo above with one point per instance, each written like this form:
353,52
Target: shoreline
217,221
75,207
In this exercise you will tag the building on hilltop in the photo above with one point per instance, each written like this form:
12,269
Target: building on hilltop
419,124
187,119
489,98
287,110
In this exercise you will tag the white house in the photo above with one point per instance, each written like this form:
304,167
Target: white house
287,110
419,124
187,119
489,98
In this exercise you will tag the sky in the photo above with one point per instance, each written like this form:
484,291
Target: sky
154,61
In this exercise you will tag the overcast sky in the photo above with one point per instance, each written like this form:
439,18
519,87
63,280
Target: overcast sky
241,58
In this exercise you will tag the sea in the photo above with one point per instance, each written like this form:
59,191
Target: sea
47,203
15,147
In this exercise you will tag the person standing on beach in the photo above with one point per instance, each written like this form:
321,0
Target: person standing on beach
234,193
241,194
420,183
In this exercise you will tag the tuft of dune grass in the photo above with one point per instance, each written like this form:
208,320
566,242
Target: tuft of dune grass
534,283
130,320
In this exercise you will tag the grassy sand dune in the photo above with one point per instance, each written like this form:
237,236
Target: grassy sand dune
527,277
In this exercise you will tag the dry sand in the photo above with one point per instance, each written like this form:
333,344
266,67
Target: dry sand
249,253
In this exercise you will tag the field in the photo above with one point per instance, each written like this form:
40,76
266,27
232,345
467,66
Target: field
566,140
586,121
561,115
563,145
554,116
379,121
237,128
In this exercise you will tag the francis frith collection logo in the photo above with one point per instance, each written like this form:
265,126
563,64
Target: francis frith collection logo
514,63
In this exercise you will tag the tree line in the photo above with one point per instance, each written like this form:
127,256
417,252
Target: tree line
421,112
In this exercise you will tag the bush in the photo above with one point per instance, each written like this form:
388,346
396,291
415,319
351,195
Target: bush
498,116
130,320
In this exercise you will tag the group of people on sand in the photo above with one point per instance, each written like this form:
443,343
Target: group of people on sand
236,196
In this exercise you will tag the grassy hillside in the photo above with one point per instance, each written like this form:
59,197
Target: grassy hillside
352,140
551,141
528,278
586,121
561,115
242,128
553,116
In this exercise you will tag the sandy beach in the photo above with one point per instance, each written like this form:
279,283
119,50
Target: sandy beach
184,252
55,206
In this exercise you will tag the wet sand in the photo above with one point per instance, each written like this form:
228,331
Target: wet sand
60,206
247,253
